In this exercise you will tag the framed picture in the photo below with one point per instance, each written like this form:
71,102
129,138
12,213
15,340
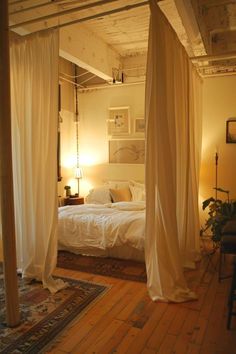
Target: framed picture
127,151
118,121
139,125
231,131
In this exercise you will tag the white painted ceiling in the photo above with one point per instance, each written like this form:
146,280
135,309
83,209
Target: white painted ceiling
205,27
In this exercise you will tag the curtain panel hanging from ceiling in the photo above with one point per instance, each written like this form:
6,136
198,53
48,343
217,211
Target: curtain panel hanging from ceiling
173,93
34,96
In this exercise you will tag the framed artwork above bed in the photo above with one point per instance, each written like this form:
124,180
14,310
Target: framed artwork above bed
127,151
118,122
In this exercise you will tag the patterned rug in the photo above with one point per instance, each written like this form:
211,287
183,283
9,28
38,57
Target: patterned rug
44,315
111,267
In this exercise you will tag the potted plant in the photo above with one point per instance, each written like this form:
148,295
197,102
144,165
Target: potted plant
68,191
219,213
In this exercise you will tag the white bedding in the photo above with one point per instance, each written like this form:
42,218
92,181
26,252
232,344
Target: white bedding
96,226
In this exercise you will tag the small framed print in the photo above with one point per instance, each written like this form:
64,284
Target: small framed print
118,123
231,131
139,125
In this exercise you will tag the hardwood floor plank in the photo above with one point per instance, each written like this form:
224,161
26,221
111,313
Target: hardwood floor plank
103,339
178,321
127,341
162,327
139,344
114,340
199,330
210,294
193,349
56,351
148,351
130,308
167,344
187,331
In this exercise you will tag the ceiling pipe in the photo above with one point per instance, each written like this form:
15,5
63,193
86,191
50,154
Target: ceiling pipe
90,78
218,74
217,57
61,13
70,81
105,86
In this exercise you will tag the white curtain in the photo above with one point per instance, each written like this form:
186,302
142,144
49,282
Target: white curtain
172,162
34,94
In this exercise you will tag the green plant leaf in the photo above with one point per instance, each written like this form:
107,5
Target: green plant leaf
207,202
219,213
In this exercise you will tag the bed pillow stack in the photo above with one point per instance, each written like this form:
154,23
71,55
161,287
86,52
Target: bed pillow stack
117,191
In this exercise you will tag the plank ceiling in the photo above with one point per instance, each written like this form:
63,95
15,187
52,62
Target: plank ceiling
205,27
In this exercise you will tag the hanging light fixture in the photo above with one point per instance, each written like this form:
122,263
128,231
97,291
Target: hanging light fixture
78,170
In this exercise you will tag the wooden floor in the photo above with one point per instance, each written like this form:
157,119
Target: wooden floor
125,320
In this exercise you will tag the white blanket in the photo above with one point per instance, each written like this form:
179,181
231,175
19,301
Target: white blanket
102,226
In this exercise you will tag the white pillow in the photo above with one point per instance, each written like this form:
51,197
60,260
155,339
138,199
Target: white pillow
100,195
137,184
117,184
138,191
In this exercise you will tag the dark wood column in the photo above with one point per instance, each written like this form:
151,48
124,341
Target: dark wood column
6,180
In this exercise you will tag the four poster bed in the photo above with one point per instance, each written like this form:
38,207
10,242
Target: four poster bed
173,97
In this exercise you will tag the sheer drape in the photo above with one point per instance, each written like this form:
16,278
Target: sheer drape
172,162
34,93
188,155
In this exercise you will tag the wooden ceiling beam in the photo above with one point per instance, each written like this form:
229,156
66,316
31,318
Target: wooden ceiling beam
61,13
31,8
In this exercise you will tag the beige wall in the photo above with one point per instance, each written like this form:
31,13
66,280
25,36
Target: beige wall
93,138
67,125
219,104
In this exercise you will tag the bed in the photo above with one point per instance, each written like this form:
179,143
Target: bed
114,229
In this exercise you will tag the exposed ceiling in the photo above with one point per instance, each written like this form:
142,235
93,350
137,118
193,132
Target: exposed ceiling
119,30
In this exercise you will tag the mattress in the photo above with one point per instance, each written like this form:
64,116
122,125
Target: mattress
113,229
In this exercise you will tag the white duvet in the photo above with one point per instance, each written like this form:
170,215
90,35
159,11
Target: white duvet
102,226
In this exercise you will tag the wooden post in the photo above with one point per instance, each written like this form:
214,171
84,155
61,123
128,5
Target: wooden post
6,180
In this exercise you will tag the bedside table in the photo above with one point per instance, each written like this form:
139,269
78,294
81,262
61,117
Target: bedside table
74,201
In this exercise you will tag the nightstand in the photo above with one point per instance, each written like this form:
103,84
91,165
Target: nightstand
73,201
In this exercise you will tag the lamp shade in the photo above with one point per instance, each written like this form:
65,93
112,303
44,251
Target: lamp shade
78,173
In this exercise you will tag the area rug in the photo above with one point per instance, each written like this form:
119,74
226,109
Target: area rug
44,315
111,267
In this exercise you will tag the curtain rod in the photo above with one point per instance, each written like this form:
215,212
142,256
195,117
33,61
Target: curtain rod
216,57
92,17
62,13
